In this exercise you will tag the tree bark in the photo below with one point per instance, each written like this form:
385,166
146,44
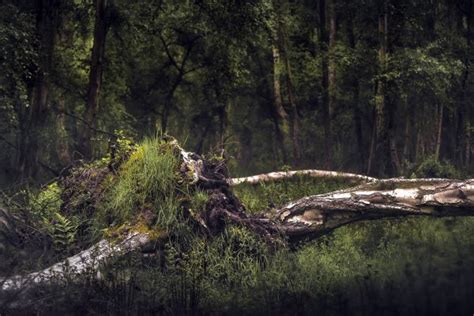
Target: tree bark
439,132
62,144
281,117
467,101
295,121
332,59
282,175
95,76
373,140
29,143
382,142
326,112
357,115
85,261
317,215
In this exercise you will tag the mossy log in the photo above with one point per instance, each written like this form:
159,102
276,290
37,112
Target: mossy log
304,219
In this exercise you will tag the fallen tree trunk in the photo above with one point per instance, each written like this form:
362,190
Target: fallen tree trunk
306,218
86,260
315,215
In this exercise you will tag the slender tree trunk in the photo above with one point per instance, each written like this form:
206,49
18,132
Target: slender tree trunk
463,133
326,115
467,101
95,76
409,132
439,132
382,142
409,120
62,144
357,115
168,105
281,117
295,121
223,121
373,140
332,59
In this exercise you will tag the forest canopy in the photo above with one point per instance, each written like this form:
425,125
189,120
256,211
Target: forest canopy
207,157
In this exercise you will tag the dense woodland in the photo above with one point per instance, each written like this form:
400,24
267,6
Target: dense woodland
125,124
375,87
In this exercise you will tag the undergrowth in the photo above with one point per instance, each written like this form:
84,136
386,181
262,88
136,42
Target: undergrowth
261,197
419,266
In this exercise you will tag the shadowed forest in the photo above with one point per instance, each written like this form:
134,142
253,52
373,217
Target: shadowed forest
125,126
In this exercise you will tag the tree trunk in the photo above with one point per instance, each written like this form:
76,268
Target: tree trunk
95,77
168,105
467,100
357,115
87,260
62,144
223,122
295,121
46,27
372,145
326,113
439,132
332,59
407,142
317,215
382,142
281,117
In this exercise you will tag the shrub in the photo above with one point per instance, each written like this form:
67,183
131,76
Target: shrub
433,168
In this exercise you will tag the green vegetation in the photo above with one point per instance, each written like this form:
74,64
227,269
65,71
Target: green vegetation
433,168
383,88
148,180
258,198
408,266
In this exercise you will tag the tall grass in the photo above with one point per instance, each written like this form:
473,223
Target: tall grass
258,198
147,181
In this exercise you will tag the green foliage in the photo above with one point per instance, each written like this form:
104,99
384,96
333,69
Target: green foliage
433,168
120,148
62,231
46,202
148,180
198,201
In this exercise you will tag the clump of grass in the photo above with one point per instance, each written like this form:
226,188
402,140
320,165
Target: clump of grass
147,181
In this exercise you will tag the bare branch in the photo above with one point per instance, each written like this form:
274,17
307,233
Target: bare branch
280,175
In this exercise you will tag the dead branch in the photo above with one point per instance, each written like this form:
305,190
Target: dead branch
313,173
